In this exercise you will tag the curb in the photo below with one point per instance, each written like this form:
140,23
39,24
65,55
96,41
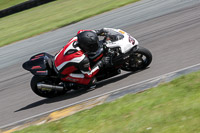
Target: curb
61,113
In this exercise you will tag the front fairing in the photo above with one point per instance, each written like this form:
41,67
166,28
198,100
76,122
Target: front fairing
125,44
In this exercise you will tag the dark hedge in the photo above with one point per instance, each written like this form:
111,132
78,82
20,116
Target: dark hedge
22,6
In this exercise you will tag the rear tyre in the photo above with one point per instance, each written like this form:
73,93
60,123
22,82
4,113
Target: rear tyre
140,59
42,93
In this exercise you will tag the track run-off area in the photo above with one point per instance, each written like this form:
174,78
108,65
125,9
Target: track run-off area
169,29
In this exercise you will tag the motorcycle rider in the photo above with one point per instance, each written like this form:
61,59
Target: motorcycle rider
73,61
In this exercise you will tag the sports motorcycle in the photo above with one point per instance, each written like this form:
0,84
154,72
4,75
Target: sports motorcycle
124,52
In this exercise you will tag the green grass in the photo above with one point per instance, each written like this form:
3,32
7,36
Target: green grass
52,16
169,108
8,3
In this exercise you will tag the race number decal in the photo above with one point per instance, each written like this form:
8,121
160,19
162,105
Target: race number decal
131,39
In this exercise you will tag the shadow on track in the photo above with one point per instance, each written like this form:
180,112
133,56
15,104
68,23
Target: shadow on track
53,100
75,93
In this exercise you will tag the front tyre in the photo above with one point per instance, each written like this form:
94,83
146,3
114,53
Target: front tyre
140,59
43,93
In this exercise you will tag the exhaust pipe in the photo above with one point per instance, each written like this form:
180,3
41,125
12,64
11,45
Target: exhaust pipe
49,87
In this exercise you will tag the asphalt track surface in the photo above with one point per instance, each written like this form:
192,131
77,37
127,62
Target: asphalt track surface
169,29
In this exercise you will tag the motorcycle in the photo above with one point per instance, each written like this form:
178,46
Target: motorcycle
123,49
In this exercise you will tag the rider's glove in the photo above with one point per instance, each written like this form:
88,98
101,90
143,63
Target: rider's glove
105,62
101,32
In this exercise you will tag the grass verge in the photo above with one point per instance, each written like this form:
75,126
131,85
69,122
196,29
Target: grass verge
169,108
52,16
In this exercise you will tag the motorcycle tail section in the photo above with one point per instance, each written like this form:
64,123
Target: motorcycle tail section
39,64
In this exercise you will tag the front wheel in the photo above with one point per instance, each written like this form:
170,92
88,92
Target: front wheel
43,93
139,60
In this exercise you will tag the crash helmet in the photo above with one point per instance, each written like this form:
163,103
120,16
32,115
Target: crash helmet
88,41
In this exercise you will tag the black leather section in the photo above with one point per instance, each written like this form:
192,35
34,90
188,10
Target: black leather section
84,65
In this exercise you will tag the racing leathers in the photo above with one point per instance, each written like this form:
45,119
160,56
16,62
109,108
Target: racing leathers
73,64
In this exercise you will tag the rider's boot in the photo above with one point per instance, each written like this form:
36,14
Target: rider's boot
76,86
92,84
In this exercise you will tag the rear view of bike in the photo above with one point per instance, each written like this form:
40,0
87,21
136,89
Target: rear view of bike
45,82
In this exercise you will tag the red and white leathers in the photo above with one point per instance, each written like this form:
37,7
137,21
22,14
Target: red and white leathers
71,59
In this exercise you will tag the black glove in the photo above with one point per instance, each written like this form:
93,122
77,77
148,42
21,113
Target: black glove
101,32
105,62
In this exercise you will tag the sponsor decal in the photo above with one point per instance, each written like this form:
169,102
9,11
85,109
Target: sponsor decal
122,32
71,79
36,67
44,72
37,57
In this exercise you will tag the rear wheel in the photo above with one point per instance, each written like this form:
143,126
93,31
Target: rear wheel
43,93
139,60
